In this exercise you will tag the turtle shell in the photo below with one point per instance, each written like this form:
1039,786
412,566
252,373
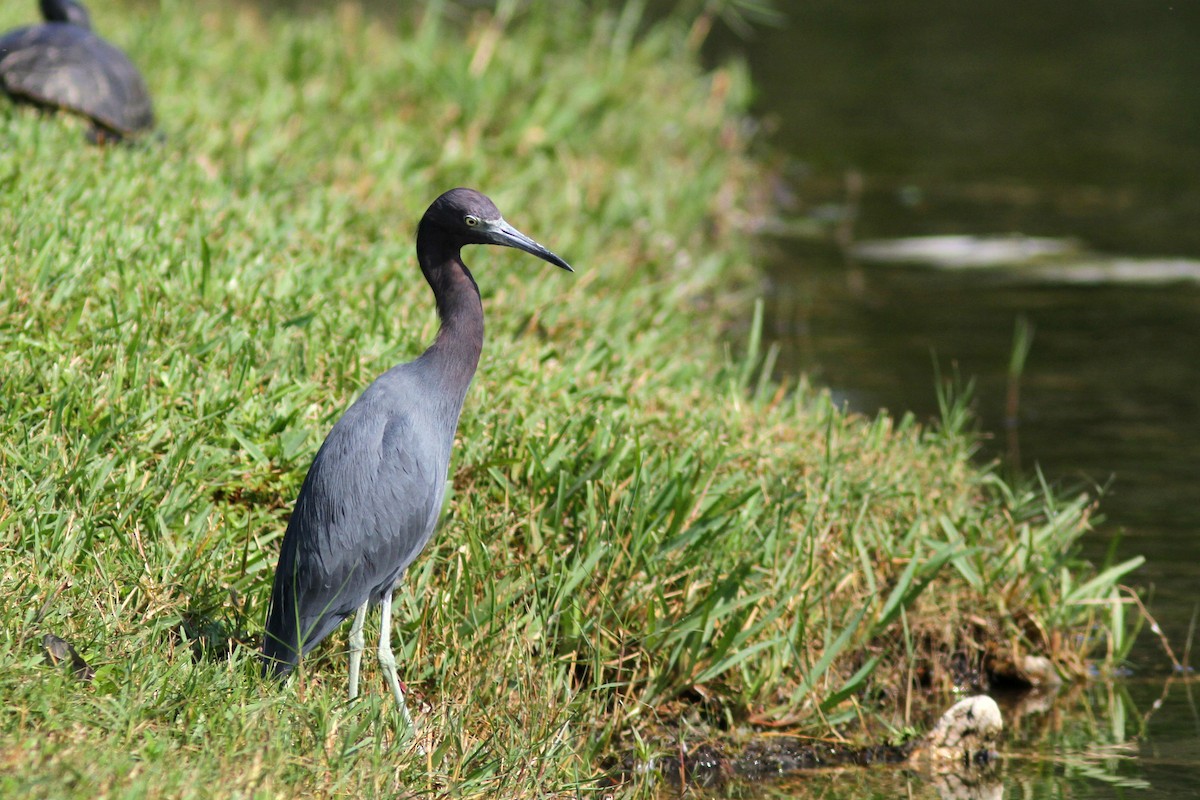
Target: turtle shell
60,65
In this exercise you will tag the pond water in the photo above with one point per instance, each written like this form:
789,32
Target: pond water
1075,120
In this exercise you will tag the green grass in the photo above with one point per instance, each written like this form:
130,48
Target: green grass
644,535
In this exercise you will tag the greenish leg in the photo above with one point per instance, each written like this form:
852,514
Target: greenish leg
388,661
357,645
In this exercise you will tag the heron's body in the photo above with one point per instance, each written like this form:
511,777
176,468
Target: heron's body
367,508
373,494
62,64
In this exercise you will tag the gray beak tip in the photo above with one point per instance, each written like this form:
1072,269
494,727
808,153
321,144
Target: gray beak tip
507,235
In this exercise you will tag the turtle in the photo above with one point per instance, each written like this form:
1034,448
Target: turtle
62,64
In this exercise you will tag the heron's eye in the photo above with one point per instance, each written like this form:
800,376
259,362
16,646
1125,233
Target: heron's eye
471,220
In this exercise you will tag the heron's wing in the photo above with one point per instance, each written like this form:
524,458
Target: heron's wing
367,507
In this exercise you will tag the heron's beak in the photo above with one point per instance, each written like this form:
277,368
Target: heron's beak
504,234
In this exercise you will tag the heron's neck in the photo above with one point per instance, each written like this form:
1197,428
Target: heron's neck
460,339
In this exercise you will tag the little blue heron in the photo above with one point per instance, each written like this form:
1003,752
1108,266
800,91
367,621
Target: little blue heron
373,494
63,64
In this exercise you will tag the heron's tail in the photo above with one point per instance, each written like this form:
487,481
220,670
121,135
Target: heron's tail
277,661
281,642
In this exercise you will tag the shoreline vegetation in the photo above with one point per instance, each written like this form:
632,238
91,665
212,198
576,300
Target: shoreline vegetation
646,541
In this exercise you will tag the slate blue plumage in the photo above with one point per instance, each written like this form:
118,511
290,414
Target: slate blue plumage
373,494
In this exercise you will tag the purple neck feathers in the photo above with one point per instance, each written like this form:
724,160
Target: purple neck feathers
460,339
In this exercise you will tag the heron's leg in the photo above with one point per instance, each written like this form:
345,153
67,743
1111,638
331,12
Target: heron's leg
357,645
388,661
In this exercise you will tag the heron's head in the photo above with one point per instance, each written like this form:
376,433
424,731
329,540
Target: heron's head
471,218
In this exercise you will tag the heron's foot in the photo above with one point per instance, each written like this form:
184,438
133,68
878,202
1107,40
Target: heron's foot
400,692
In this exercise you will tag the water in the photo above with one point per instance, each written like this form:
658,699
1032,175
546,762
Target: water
1071,119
